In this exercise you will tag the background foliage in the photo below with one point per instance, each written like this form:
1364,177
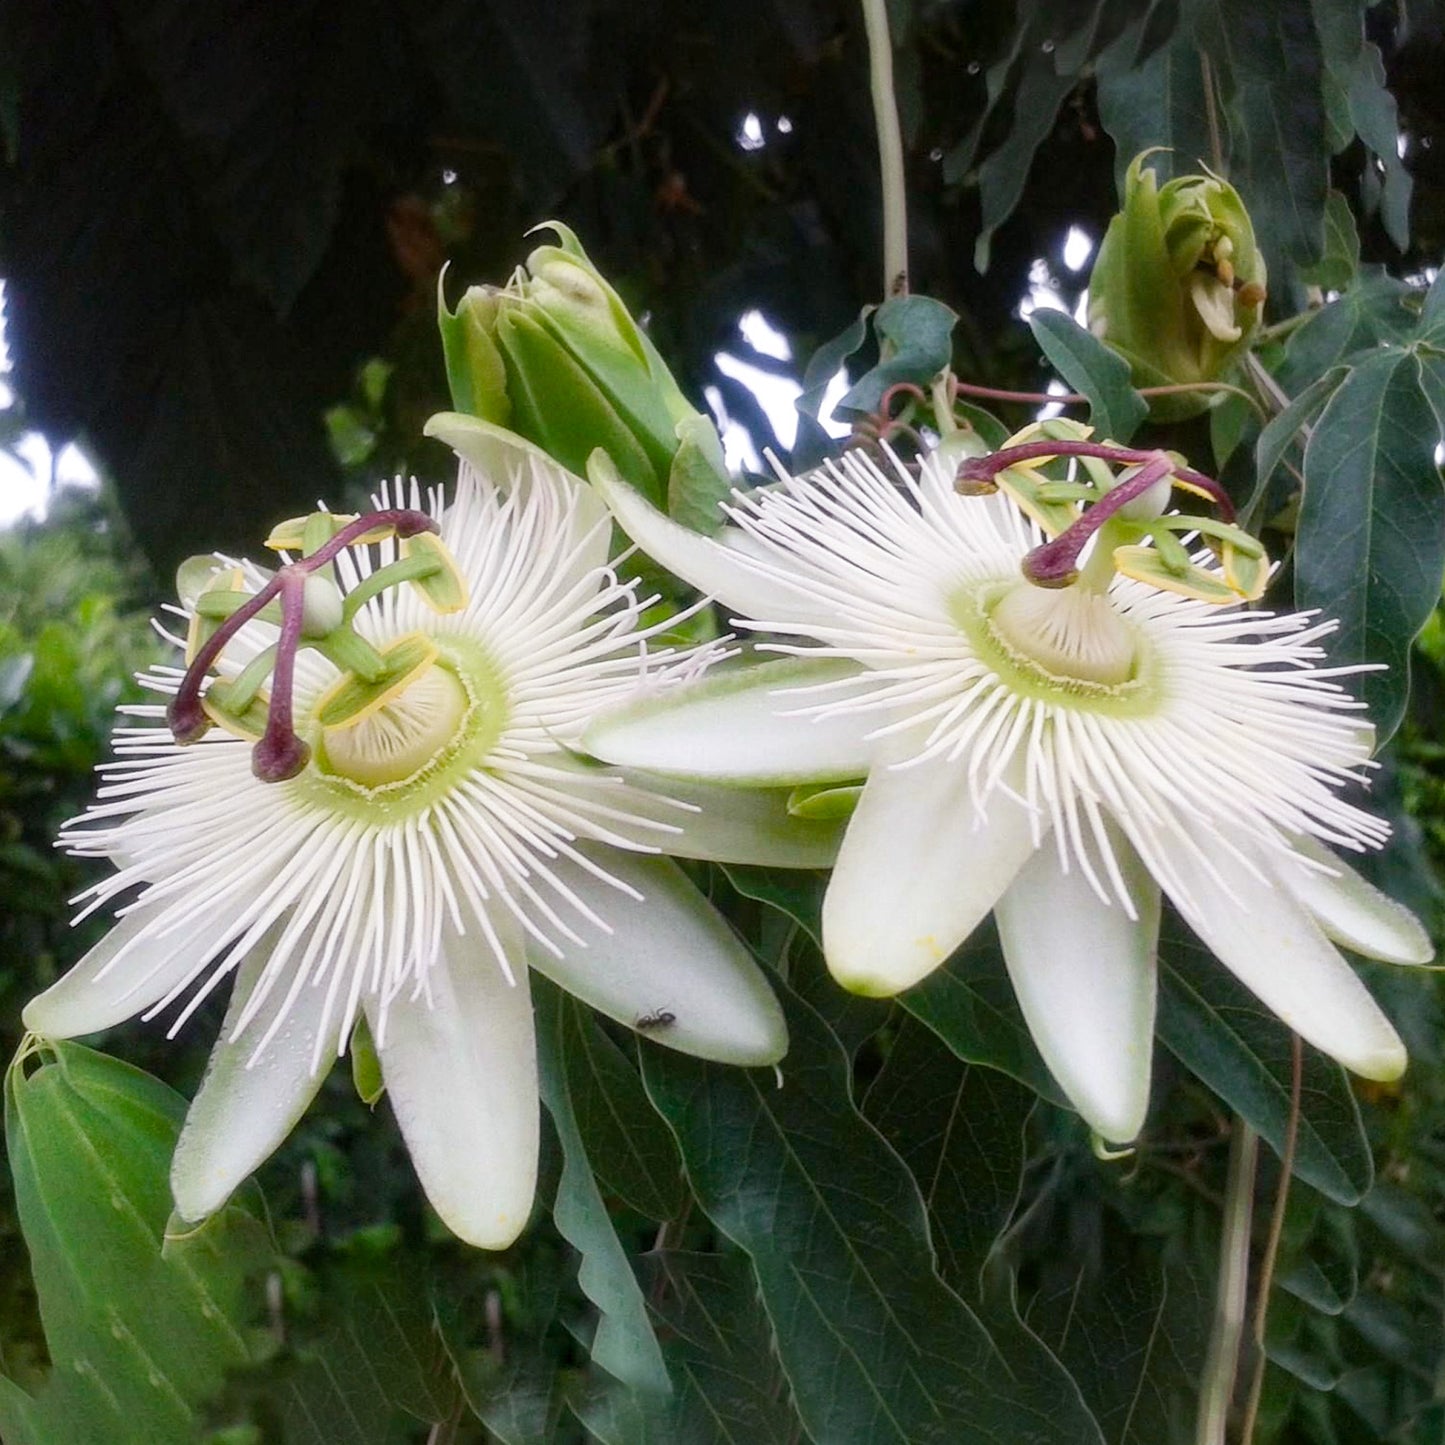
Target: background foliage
221,230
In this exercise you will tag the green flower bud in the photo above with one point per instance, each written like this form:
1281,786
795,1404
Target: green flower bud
1179,284
555,357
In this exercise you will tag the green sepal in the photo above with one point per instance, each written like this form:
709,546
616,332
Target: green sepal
366,1075
698,479
476,373
824,803
558,405
351,698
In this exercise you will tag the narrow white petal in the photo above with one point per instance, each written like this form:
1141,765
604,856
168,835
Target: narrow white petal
1085,976
95,995
248,1102
1352,911
716,565
733,825
461,1073
919,868
668,954
735,726
1262,934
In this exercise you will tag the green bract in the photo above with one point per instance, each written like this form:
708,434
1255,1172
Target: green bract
555,356
1179,284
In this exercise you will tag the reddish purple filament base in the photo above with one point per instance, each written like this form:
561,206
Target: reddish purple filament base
280,754
1056,562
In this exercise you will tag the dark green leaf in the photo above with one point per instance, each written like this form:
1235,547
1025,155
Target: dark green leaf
1002,176
1281,128
1281,430
1160,102
1133,1335
960,1129
1371,540
1336,269
631,1148
1214,1026
730,1388
915,343
1374,309
813,442
624,1344
1432,313
876,1348
969,1003
1090,367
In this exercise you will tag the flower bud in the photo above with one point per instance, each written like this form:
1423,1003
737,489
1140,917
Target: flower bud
1179,284
555,356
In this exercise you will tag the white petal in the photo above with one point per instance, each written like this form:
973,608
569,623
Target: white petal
462,1077
1352,911
1085,976
733,825
247,1104
730,726
1275,948
500,456
918,870
83,1003
716,565
669,954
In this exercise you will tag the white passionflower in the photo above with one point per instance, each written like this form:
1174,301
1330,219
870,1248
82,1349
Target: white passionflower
430,833
1057,753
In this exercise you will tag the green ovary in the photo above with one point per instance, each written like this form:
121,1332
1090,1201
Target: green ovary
1067,646
402,756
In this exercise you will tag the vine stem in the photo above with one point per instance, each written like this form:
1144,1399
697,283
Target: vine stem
890,148
1276,1230
1231,1296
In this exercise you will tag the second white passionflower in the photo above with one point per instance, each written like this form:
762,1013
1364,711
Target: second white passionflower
1057,720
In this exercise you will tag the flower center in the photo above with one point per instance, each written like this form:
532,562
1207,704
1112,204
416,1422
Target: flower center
401,736
409,750
1072,634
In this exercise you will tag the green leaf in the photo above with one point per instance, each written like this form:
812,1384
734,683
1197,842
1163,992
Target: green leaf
624,1345
1432,312
1336,268
960,1130
1216,1029
1159,101
1370,546
1002,176
1375,309
1281,430
1090,367
1281,131
730,1388
969,1003
631,1148
1132,1330
915,343
876,1347
141,1329
813,442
